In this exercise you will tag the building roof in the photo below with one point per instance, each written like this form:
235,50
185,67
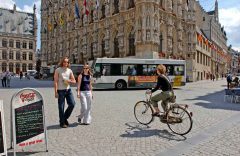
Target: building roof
211,12
16,22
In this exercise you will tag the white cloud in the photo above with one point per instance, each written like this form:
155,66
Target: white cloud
230,19
8,4
236,48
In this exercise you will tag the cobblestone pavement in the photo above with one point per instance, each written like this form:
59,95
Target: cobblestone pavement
115,132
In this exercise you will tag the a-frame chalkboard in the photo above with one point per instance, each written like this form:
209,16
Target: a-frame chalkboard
28,119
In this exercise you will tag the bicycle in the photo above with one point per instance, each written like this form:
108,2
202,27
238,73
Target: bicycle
178,118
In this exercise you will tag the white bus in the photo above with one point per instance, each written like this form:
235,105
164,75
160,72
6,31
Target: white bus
123,73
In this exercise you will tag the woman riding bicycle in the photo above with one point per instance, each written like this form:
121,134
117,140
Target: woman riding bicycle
166,94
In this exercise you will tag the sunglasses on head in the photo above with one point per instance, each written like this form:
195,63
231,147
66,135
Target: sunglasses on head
85,68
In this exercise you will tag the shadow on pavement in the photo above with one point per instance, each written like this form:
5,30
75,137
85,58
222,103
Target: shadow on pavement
136,130
71,125
25,153
216,101
128,89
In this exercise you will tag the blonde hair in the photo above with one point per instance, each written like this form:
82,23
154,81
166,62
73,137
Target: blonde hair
61,62
161,69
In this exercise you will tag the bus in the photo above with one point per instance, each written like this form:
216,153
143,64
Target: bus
121,73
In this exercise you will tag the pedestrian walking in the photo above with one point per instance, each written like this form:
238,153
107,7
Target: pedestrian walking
21,75
213,77
8,78
4,79
63,77
229,80
84,92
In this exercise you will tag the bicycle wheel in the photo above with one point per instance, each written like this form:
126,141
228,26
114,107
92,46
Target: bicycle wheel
179,120
143,112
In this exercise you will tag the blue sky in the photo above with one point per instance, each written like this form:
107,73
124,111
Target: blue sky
229,12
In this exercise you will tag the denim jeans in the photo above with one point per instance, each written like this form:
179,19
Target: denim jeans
62,95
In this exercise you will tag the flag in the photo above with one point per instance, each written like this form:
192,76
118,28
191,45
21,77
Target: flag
61,21
77,10
49,27
97,4
85,7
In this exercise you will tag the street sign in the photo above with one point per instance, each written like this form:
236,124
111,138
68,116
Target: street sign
28,119
3,145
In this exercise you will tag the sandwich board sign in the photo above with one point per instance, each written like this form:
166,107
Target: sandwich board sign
28,119
3,145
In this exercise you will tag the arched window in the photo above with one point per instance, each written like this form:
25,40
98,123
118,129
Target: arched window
4,43
24,67
24,56
11,55
148,22
91,52
30,56
30,45
103,48
18,56
11,43
24,44
4,54
4,66
30,67
116,48
131,4
116,6
131,40
103,11
160,43
17,68
18,44
91,16
11,67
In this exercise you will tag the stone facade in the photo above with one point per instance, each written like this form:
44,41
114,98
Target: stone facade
118,28
18,32
211,49
132,28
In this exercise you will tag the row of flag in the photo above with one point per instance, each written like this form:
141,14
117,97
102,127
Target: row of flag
60,21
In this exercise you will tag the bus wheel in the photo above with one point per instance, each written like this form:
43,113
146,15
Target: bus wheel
120,84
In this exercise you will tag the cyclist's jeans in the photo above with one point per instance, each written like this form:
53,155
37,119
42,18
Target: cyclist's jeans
62,95
163,96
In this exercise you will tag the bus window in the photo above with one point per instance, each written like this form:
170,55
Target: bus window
106,69
178,70
145,70
170,69
139,69
152,69
97,70
127,69
116,69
